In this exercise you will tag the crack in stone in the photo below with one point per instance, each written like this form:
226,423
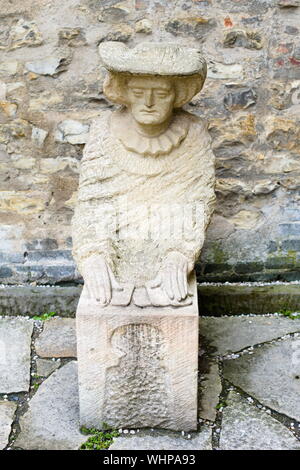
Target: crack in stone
250,349
219,416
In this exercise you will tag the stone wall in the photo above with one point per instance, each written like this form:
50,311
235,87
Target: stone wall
51,89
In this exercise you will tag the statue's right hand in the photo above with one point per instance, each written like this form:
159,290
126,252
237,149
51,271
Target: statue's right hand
98,279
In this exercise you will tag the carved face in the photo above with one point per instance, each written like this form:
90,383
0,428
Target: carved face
150,99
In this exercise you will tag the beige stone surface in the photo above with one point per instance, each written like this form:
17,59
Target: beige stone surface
137,367
159,58
143,206
144,201
58,338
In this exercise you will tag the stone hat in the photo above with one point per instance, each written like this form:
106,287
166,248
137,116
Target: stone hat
152,59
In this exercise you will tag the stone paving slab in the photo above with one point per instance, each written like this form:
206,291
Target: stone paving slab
268,375
164,441
15,343
58,338
45,367
231,334
7,411
244,427
52,420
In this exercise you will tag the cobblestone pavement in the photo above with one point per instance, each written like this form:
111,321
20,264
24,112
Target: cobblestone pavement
249,387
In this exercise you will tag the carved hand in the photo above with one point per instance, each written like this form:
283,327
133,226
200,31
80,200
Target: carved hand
99,279
173,276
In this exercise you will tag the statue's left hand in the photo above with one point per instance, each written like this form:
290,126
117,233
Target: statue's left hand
173,276
99,279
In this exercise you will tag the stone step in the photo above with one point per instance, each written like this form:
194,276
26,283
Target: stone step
214,299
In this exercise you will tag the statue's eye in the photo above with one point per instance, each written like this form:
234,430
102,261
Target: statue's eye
137,92
161,94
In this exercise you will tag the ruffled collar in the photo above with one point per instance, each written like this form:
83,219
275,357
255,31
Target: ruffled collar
144,145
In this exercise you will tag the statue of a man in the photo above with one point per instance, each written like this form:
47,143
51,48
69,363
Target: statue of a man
145,168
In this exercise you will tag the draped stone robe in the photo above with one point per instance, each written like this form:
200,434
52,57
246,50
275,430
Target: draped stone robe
134,209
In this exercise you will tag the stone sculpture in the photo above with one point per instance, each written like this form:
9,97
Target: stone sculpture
146,195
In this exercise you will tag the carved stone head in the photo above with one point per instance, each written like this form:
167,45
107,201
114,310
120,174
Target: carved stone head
152,79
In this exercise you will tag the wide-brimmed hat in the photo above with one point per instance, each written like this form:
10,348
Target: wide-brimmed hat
152,59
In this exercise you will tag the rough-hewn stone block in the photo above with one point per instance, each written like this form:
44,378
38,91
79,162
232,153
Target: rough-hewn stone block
137,368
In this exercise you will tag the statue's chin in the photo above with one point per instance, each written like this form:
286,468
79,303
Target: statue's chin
150,120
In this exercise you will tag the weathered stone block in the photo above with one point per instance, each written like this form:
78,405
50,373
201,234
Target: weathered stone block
44,244
46,255
15,341
290,276
137,367
217,268
64,273
291,245
240,38
245,427
239,99
197,26
29,300
288,3
7,411
279,262
251,267
51,421
5,272
51,65
58,338
25,33
6,258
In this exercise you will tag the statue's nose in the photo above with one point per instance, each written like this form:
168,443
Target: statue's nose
149,98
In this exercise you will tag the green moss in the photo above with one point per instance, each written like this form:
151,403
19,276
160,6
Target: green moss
221,405
36,376
45,316
98,440
290,314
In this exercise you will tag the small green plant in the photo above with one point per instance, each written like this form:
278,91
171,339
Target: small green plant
35,386
36,376
45,316
290,314
221,405
98,440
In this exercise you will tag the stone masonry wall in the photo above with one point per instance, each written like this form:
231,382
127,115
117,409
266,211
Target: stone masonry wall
51,89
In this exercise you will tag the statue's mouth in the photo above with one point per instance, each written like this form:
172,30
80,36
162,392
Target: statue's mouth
148,111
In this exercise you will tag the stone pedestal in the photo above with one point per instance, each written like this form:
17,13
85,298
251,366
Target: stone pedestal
138,366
